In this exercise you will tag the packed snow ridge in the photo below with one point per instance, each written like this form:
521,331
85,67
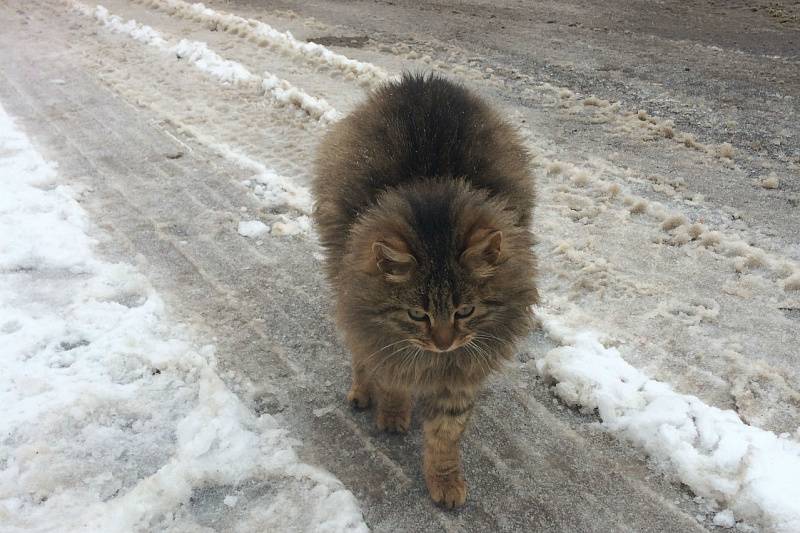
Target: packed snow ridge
195,52
753,474
113,418
267,35
287,94
206,60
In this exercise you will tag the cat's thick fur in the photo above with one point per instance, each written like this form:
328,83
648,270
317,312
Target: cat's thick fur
423,205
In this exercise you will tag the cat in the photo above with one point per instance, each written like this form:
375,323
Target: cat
423,201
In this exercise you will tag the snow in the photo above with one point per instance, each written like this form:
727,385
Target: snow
252,228
274,190
226,71
749,471
292,226
285,93
771,182
724,519
285,41
209,61
143,34
792,283
271,188
196,52
113,416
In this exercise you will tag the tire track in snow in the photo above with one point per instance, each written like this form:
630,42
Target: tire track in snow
587,261
631,122
676,223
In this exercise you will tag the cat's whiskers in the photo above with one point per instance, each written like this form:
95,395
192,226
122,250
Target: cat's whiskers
409,362
478,355
482,348
485,336
390,357
483,339
376,352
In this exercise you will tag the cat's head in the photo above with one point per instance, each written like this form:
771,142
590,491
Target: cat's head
439,266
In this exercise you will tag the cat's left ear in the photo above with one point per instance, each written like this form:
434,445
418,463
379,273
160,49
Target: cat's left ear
393,260
484,248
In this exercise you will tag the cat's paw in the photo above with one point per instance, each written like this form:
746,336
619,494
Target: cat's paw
449,491
358,397
394,421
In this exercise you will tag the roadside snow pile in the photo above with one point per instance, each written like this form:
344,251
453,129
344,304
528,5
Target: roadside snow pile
751,472
112,419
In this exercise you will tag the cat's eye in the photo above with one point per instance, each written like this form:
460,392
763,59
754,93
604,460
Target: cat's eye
417,314
464,311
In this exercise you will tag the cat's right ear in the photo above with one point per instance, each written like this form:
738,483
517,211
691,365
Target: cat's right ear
395,263
484,252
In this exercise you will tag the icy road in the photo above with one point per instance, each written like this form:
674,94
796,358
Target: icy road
167,356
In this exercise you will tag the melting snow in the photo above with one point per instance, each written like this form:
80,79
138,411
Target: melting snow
112,417
750,471
252,228
285,41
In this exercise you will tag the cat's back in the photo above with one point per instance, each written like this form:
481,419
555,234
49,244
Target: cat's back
421,126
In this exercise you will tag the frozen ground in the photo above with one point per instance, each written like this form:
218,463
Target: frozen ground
667,165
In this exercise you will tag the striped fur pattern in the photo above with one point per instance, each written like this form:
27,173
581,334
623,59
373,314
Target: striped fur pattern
423,201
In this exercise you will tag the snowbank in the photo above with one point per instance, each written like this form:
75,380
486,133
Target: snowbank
751,472
113,419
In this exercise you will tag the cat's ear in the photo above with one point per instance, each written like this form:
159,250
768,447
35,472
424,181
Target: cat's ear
482,255
393,261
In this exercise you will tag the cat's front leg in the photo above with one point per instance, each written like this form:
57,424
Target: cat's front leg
393,409
446,417
360,393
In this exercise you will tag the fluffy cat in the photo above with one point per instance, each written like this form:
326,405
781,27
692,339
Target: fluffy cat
423,201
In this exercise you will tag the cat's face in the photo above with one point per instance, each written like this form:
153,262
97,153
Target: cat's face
439,302
437,268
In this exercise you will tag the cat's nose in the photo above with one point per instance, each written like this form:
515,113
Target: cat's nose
443,337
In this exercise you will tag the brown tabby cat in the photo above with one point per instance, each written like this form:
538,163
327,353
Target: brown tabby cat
423,201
